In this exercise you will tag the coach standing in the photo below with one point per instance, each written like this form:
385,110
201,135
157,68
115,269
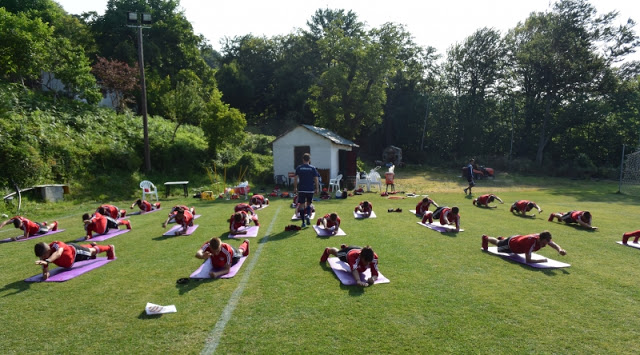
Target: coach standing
307,177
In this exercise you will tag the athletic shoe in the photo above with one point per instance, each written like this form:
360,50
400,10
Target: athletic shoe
245,246
551,216
303,225
325,255
111,253
485,242
308,221
465,191
55,226
625,237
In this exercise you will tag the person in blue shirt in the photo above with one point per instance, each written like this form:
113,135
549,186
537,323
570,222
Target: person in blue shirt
305,184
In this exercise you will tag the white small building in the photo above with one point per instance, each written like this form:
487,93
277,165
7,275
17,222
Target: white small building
330,153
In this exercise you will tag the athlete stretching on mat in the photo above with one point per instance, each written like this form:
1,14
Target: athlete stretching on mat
523,244
222,255
583,218
30,228
359,259
64,255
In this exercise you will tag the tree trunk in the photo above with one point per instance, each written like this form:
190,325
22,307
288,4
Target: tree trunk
542,142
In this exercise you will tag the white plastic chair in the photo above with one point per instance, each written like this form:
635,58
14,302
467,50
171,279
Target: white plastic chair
362,180
334,184
374,179
148,188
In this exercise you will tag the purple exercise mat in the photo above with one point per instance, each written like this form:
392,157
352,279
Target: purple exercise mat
173,230
101,237
141,212
341,269
61,274
252,232
31,237
203,271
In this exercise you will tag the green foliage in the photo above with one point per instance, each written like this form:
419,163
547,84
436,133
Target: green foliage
222,124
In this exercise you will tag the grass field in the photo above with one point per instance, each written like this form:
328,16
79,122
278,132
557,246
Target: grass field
445,295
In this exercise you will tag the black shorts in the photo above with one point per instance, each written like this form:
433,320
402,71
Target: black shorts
305,197
503,246
82,253
342,253
566,218
437,212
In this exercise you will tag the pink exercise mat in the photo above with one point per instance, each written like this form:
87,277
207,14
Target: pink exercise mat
252,232
173,230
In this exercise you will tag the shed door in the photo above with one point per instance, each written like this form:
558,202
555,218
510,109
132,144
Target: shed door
298,152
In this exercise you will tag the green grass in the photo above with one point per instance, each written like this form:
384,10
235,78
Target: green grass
445,295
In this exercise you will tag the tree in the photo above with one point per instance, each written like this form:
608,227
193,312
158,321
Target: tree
118,79
472,71
184,105
349,92
554,60
222,124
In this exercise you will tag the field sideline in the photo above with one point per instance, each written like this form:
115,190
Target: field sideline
445,295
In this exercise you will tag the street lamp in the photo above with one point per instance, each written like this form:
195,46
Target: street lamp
132,19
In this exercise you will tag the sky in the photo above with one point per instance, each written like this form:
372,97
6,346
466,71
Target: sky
437,24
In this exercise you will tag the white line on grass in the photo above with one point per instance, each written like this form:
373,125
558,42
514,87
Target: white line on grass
213,339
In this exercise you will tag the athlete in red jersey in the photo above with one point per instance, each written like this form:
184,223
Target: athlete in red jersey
100,224
222,255
244,207
28,227
524,206
446,216
365,208
330,221
484,200
359,259
626,236
523,244
111,211
185,219
173,212
64,255
423,206
259,200
583,218
239,220
145,206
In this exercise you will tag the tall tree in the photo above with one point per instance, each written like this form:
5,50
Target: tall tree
555,60
472,70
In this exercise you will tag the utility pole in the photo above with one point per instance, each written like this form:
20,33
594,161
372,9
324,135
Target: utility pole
132,18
